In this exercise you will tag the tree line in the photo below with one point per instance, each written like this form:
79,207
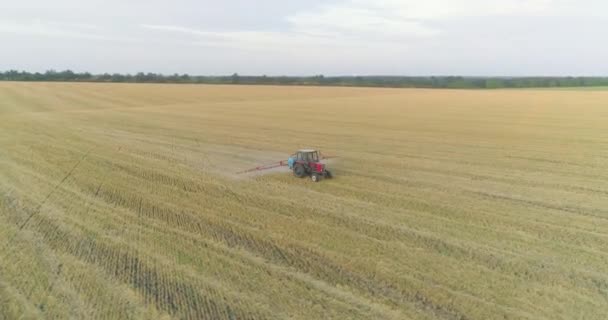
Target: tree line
456,82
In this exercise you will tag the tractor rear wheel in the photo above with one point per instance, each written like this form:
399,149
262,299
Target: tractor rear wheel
315,177
299,171
328,174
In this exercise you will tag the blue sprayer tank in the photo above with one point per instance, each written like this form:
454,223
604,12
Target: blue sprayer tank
290,162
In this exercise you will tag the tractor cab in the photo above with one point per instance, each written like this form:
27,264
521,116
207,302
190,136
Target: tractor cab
306,162
304,157
307,155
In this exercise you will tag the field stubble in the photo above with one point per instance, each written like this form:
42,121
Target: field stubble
121,201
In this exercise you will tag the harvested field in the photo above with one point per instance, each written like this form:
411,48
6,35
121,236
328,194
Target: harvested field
120,201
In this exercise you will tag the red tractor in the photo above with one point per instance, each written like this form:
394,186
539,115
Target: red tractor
308,163
303,163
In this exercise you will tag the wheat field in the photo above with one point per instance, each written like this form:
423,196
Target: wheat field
121,201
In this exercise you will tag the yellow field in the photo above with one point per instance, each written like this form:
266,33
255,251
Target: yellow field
121,202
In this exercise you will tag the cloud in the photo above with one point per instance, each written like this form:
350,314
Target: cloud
440,9
360,23
404,18
277,41
58,30
178,29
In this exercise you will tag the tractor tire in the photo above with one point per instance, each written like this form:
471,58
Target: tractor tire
328,174
315,177
299,171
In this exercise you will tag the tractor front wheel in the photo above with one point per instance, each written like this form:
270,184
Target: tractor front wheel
299,171
315,177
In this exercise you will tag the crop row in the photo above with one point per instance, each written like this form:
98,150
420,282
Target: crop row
289,255
159,287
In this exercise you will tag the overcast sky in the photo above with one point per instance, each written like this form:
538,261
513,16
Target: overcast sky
304,37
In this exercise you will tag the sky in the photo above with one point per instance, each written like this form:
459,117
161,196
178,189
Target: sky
283,37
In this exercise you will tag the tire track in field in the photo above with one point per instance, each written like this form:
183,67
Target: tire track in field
208,247
37,210
589,212
46,198
295,256
158,287
101,183
33,212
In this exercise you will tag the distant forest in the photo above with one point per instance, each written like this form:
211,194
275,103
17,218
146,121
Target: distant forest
455,82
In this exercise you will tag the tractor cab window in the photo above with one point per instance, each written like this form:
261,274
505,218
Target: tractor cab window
307,156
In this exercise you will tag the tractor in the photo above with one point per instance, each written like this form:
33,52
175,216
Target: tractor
307,163
303,163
